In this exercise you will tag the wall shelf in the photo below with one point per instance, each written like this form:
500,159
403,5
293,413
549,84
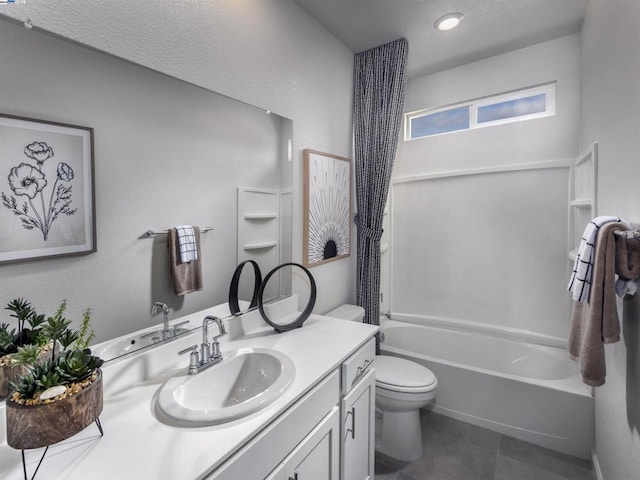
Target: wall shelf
260,246
582,196
260,216
259,227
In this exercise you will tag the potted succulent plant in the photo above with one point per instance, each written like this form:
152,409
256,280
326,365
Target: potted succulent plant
57,396
30,334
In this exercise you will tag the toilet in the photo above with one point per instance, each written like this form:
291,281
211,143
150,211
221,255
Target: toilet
403,387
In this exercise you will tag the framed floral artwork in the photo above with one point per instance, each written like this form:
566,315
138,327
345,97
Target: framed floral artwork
47,205
327,208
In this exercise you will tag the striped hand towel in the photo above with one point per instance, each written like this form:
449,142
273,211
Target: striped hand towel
187,243
580,281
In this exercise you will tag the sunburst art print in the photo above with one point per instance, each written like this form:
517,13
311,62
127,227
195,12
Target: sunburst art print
327,207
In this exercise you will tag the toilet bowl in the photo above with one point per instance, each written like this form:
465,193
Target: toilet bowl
403,387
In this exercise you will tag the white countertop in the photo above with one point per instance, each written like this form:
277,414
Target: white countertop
137,445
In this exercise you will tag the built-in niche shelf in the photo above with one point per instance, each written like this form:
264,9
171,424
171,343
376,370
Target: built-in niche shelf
260,246
260,216
582,196
259,226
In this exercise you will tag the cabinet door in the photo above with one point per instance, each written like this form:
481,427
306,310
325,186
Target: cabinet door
277,474
317,457
358,430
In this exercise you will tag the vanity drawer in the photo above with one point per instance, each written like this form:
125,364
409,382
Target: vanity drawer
354,368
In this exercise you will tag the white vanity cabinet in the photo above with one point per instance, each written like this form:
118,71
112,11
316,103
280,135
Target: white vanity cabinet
303,439
327,435
317,457
358,415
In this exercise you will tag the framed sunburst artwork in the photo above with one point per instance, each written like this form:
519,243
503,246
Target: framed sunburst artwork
327,207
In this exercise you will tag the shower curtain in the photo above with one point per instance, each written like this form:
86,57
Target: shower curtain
379,91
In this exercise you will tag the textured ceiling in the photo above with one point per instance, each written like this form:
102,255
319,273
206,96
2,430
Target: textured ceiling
490,27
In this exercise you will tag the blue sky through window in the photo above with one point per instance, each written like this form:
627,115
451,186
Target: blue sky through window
512,108
440,122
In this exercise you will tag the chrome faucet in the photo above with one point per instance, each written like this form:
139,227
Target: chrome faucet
209,352
162,307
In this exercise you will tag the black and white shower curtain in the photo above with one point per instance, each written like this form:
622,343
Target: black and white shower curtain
379,91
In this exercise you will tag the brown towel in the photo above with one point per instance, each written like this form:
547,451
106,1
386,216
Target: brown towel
595,323
628,258
185,277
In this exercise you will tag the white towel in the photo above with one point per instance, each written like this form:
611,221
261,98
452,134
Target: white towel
580,281
187,243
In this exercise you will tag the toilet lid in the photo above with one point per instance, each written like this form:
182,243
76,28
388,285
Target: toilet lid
397,373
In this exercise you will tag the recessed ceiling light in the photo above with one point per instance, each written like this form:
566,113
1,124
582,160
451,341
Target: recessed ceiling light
449,21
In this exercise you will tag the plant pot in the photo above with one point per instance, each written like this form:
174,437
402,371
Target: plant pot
35,426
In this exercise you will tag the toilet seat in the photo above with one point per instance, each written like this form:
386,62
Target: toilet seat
400,375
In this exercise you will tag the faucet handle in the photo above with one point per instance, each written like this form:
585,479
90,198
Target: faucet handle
215,349
179,324
194,358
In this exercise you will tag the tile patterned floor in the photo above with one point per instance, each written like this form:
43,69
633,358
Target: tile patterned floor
456,450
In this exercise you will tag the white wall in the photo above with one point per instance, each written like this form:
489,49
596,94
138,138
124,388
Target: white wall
611,116
549,138
489,248
269,53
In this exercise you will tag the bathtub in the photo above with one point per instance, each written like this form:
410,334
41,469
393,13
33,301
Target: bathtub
527,391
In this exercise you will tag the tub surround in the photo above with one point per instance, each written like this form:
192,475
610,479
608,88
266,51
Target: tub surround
137,445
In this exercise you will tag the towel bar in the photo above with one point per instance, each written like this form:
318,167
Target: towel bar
153,233
628,234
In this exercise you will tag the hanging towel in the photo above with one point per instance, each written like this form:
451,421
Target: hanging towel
595,323
627,265
186,277
580,281
187,243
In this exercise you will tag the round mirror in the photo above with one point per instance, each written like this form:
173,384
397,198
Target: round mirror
284,327
234,306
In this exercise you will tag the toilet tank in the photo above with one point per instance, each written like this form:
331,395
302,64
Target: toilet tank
353,313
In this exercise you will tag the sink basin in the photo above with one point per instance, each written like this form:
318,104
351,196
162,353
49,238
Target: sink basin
244,382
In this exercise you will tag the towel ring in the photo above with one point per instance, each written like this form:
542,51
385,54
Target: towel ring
280,328
234,306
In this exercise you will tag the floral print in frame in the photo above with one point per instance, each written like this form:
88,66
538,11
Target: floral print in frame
46,189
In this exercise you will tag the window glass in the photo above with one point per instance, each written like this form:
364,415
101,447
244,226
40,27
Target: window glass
513,108
440,122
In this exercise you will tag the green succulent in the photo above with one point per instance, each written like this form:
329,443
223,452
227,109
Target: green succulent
7,339
26,385
49,379
29,325
22,310
27,355
68,338
76,365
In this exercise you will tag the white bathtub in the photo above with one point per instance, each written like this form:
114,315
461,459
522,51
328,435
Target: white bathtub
527,391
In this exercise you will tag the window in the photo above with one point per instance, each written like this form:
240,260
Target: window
526,104
443,121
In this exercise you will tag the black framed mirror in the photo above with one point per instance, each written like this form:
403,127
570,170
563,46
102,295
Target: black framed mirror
300,319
